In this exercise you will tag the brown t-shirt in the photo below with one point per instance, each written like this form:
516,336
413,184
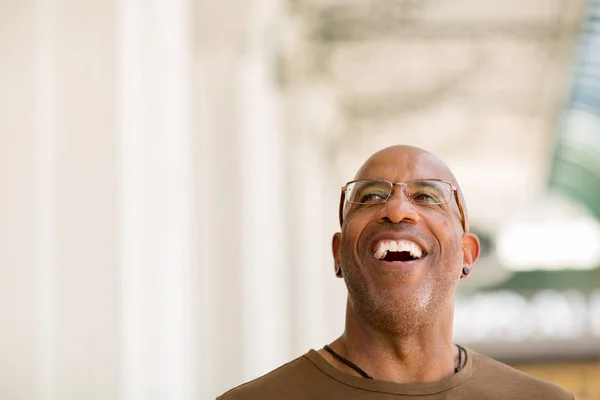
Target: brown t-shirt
312,377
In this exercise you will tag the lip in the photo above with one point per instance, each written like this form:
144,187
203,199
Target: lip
399,265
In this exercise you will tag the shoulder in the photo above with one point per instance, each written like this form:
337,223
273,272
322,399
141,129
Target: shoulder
275,384
493,375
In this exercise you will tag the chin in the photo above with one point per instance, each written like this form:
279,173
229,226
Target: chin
392,312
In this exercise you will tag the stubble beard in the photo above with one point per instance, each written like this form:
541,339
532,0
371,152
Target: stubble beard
399,311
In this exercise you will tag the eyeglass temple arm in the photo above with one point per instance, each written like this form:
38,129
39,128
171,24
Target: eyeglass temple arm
460,209
342,198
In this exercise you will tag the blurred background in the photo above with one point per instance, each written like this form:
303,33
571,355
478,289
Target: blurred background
170,173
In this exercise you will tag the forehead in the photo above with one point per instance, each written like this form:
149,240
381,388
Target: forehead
404,164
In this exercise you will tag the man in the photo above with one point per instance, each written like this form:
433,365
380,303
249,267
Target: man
403,247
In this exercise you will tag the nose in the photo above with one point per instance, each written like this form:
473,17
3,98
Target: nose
398,208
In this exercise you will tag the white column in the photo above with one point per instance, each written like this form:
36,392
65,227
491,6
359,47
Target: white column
244,268
306,194
85,323
19,203
216,121
155,200
265,261
314,189
319,297
46,269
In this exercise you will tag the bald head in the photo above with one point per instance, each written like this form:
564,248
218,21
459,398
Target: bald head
402,163
407,157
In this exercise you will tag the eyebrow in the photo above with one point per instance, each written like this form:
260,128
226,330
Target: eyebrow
367,183
427,182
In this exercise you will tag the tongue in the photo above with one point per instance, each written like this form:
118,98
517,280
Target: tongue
398,256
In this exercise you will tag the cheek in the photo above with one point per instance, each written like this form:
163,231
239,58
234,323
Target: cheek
349,243
441,220
351,234
449,241
451,251
362,213
354,226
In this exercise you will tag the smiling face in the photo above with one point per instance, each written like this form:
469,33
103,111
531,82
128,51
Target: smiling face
401,261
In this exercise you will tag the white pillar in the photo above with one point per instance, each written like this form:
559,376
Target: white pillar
75,248
314,189
46,268
85,315
244,264
265,254
19,202
156,209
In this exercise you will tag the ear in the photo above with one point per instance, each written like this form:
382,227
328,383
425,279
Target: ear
470,248
335,248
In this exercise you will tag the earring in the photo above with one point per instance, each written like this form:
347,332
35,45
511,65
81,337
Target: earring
338,272
465,272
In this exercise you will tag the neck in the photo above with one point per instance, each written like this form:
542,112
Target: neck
424,354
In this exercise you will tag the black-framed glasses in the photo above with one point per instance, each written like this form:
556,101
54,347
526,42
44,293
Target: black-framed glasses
418,191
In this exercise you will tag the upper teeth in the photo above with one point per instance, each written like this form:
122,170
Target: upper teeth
384,246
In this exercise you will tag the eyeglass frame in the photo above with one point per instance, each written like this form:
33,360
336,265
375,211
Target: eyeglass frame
463,219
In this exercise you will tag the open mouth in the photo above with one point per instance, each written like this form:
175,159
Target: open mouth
397,251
